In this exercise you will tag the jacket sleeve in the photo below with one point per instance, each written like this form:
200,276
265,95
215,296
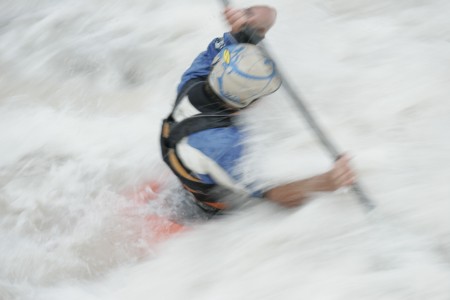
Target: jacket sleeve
201,66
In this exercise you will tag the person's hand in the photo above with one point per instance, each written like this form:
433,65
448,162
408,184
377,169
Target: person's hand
340,175
237,18
259,18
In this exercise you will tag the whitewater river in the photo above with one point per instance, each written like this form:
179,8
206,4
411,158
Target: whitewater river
84,85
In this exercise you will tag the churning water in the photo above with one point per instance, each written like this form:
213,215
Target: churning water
84,86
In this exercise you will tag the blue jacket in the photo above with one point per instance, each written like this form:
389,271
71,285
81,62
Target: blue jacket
222,145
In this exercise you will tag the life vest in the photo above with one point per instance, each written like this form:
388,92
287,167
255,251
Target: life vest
173,132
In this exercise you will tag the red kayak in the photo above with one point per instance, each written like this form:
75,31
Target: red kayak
159,227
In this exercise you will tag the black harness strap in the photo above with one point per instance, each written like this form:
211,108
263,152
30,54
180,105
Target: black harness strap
194,124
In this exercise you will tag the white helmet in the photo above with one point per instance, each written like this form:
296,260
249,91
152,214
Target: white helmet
241,73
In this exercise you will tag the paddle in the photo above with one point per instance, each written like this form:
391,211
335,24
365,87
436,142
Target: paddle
302,108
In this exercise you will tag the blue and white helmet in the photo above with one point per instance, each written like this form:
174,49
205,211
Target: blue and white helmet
242,73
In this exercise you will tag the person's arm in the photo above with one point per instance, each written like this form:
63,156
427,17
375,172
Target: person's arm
296,193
